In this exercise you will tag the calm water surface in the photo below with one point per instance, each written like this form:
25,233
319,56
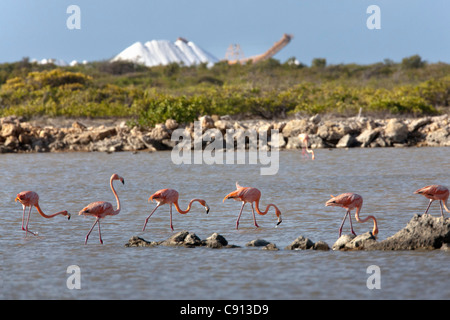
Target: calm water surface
36,267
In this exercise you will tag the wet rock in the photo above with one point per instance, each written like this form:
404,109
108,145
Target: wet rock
361,241
216,241
421,232
192,239
321,245
270,247
342,241
136,241
183,238
301,243
257,243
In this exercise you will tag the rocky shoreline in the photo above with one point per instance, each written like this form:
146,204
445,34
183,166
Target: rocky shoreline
423,232
63,135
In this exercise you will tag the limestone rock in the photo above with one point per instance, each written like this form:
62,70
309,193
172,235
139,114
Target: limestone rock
216,241
396,131
421,232
136,241
361,241
301,243
342,241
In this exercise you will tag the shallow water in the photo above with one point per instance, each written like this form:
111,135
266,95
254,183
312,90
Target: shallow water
35,267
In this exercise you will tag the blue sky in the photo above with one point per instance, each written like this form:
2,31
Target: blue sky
331,29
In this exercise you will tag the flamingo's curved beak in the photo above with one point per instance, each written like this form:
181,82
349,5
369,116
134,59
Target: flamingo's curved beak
206,208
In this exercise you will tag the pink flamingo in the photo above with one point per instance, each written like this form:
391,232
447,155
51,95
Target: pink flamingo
350,201
435,192
304,140
30,199
101,209
249,194
170,196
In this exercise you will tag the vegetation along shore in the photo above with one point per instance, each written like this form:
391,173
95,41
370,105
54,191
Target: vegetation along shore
122,106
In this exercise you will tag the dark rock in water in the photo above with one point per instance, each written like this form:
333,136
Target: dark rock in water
266,245
257,243
301,243
271,247
183,238
421,232
361,241
216,241
342,241
136,241
352,242
321,245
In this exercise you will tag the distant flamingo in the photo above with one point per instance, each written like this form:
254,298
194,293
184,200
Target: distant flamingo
30,199
304,140
101,209
170,196
249,194
350,201
435,192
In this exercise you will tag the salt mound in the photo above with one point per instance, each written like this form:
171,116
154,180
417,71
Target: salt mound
164,52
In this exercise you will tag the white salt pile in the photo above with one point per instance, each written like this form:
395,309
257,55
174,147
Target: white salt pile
164,52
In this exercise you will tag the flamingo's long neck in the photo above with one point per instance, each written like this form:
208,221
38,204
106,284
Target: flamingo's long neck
48,216
375,225
277,211
188,208
117,197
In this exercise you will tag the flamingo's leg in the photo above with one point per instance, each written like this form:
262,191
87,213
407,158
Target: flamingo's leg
351,226
254,218
240,212
87,236
429,204
342,224
99,233
28,219
146,220
171,226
